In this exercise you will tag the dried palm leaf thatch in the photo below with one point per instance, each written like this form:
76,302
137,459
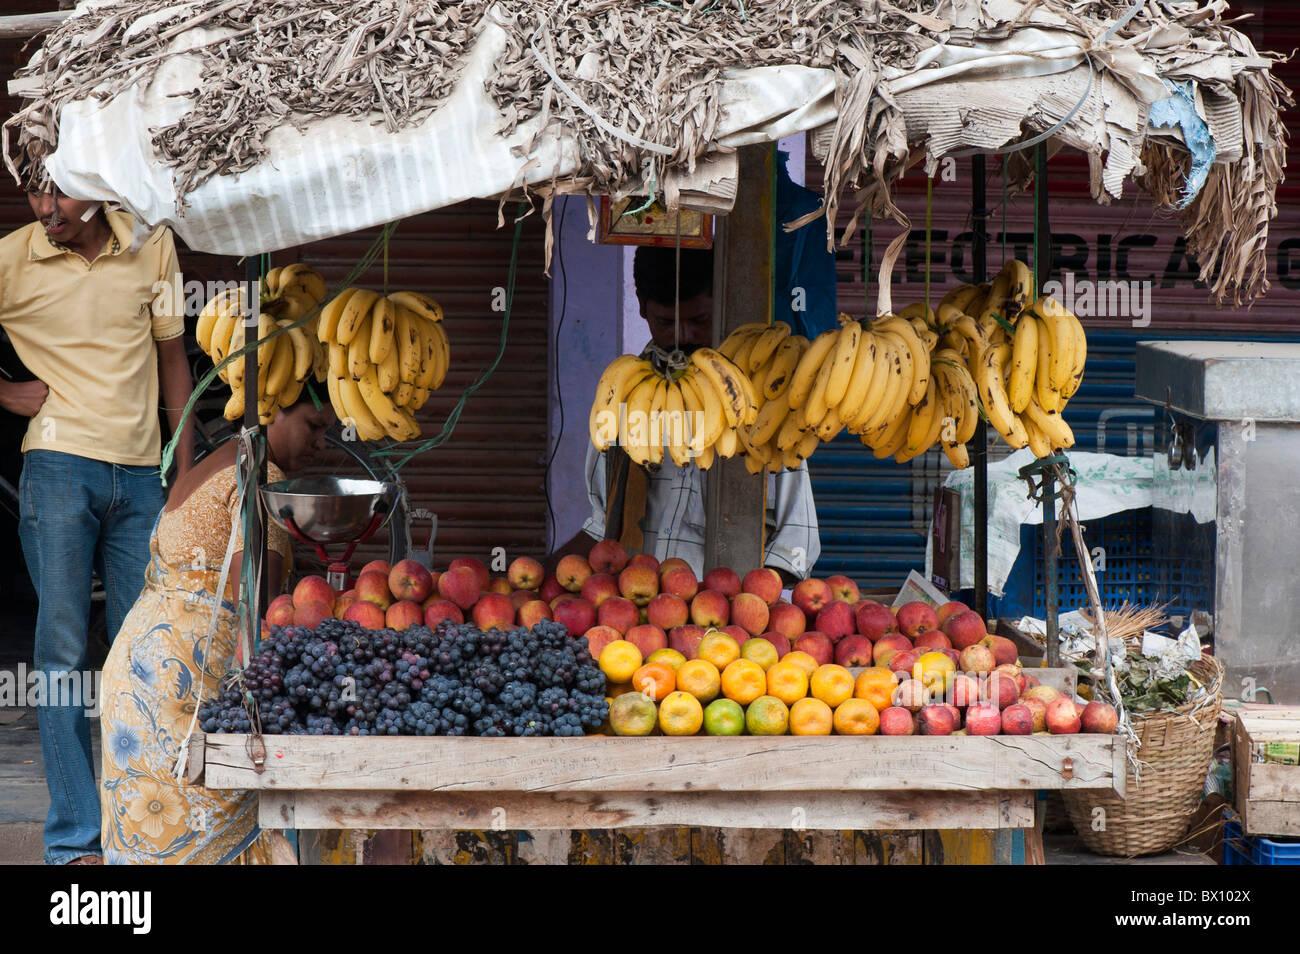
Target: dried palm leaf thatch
637,85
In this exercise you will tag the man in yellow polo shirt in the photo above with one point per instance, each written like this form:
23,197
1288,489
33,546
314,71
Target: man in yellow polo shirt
78,306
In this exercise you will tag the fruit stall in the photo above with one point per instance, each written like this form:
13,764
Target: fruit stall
618,690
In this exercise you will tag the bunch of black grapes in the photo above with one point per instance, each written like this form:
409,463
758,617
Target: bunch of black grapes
342,679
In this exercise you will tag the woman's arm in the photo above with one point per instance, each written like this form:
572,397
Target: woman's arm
175,385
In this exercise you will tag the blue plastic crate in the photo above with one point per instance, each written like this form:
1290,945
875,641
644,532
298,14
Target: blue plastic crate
1241,849
1131,572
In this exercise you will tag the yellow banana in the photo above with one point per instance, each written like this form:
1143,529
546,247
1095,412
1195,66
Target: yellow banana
807,444
958,298
678,435
359,351
422,305
781,367
882,361
234,408
1035,438
382,325
639,404
765,346
304,353
382,407
708,418
923,415
704,457
1052,425
870,423
919,352
328,323
409,344
810,365
616,382
367,425
303,278
842,360
271,283
740,336
830,425
389,372
995,301
1020,288
355,312
1080,352
790,433
279,371
1024,362
815,408
864,366
770,418
1062,351
725,377
991,389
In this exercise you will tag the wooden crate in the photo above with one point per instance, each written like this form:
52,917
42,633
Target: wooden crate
1267,794
791,783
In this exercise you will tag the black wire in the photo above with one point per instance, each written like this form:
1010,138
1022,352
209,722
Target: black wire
559,394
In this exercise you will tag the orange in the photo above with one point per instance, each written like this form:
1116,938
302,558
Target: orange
632,713
831,684
744,681
680,714
619,660
856,717
767,715
787,681
670,656
616,689
656,680
935,670
802,660
700,678
811,717
719,649
724,717
876,685
759,650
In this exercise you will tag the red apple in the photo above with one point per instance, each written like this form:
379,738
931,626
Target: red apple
366,613
494,611
853,650
460,585
343,602
889,643
897,721
647,638
817,645
499,584
439,610
936,720
618,613
686,639
950,609
644,559
710,608
478,566
576,614
532,613
599,587
844,588
309,615
550,589
372,586
598,637
1004,650
787,619
668,610
572,571
836,620
933,639
1001,689
750,612
763,582
724,580
737,633
1016,720
915,618
673,563
313,588
608,556
874,620
280,612
404,614
1099,718
811,595
780,642
983,718
680,581
640,584
903,661
377,566
525,573
520,597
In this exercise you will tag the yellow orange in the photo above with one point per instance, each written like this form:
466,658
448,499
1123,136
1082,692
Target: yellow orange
670,656
700,678
811,717
876,685
744,681
787,681
656,680
719,649
802,660
856,717
831,684
620,660
767,715
680,714
759,650
935,670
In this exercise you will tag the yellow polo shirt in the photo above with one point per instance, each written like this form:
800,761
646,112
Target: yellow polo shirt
87,329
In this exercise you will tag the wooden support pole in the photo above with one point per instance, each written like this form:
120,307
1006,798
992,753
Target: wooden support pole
742,292
24,25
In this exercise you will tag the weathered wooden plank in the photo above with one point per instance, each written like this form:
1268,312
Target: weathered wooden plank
1271,818
752,846
805,847
23,25
1274,783
707,845
888,847
823,811
784,764
652,846
474,847
544,847
960,846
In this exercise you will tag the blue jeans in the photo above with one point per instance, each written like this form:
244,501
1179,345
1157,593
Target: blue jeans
79,515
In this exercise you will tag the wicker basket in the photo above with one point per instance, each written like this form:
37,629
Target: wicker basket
1176,751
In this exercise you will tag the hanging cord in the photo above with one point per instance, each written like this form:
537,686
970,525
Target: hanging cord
866,267
362,266
929,199
405,452
677,285
244,462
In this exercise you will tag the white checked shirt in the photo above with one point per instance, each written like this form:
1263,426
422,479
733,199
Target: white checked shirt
674,517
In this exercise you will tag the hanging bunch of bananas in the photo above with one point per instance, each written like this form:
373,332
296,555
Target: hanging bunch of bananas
693,411
283,363
770,355
1026,355
384,355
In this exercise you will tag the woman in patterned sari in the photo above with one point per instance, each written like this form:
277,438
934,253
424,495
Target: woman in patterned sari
163,665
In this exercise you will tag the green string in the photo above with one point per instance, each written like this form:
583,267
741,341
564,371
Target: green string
363,265
929,195
1038,199
449,426
866,268
1004,210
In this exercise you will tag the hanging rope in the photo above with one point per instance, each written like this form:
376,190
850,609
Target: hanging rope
929,201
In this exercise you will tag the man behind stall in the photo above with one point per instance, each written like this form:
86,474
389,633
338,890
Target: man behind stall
76,303
662,512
